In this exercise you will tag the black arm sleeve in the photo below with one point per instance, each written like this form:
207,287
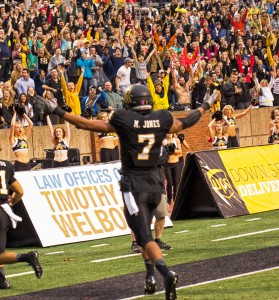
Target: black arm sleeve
191,119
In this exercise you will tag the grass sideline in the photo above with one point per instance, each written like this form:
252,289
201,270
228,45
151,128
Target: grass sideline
73,265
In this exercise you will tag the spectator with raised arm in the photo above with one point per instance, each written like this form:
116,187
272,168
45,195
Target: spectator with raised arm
71,91
219,133
159,91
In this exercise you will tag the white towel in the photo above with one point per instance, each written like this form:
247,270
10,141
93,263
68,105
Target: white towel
14,218
131,203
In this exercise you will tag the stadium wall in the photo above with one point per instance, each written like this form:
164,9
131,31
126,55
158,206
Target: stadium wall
252,131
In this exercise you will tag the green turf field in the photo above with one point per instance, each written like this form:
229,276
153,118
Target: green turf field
191,240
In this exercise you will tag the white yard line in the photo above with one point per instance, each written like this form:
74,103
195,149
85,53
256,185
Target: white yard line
57,252
113,258
182,231
218,225
210,281
117,257
245,234
100,245
19,274
255,219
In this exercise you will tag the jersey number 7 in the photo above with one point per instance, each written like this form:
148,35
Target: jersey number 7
150,138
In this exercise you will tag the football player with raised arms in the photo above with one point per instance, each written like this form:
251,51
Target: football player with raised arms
141,131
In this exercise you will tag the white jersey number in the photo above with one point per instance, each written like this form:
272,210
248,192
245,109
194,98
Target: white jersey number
150,138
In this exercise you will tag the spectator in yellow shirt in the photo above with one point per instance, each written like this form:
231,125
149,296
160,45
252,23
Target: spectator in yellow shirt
159,91
71,91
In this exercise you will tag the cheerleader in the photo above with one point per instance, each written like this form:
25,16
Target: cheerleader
18,141
108,142
60,138
184,144
218,133
172,168
228,111
274,132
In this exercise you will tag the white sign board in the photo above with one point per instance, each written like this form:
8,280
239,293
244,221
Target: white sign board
75,204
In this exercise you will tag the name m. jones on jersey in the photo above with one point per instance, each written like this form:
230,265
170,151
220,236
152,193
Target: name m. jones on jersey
147,124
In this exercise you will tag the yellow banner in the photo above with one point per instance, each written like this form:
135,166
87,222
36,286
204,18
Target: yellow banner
254,172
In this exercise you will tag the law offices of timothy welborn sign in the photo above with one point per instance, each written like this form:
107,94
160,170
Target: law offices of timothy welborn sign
75,204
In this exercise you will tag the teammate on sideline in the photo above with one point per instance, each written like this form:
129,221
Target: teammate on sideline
141,131
7,218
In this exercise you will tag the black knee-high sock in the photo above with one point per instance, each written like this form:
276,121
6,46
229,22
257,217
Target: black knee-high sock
22,257
161,267
149,267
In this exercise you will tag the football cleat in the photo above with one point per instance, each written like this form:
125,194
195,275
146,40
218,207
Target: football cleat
33,260
162,245
150,285
4,284
210,101
135,248
170,285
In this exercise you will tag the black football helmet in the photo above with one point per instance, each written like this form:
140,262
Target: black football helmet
138,97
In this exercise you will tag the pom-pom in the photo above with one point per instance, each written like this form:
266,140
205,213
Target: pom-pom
170,148
254,101
20,110
218,115
180,136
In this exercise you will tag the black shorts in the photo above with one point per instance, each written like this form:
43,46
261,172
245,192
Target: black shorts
232,142
60,164
116,150
20,166
149,182
107,155
140,223
5,223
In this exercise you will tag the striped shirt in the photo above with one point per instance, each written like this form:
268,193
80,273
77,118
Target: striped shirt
276,86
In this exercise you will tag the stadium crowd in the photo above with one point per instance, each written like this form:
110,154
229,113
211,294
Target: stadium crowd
182,50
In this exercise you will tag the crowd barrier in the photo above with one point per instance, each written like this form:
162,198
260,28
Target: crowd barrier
229,183
68,205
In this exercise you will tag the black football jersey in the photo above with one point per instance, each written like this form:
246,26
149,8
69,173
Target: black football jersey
6,179
141,137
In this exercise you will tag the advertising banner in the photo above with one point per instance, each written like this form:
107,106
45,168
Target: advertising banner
229,182
254,172
75,204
